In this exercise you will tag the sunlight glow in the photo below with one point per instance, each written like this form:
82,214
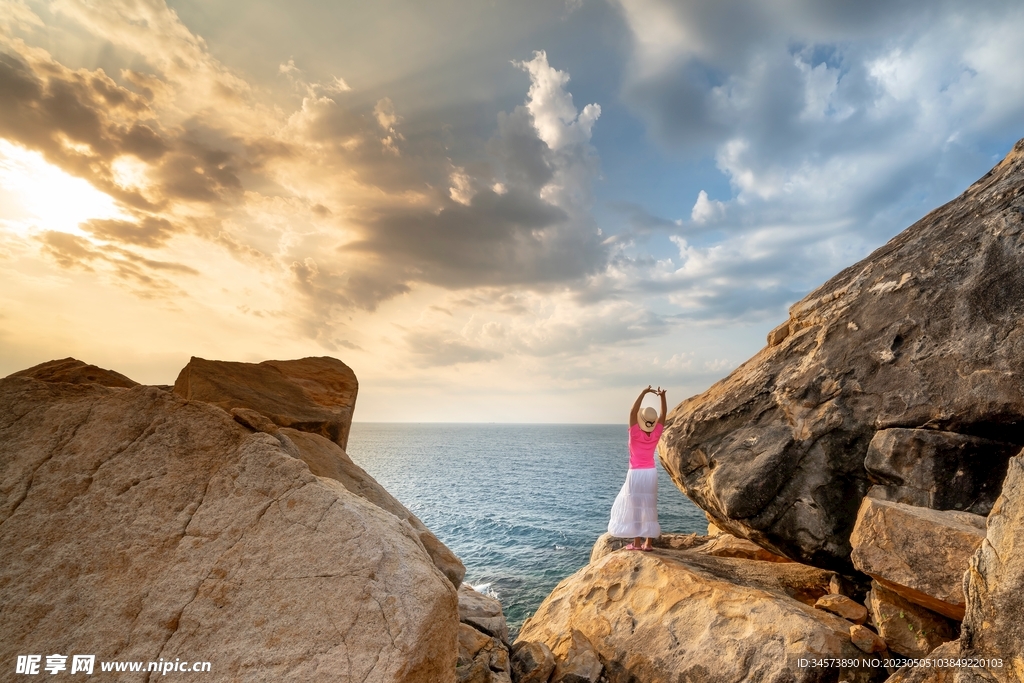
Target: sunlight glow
36,196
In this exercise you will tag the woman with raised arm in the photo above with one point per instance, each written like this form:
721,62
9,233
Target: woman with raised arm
635,510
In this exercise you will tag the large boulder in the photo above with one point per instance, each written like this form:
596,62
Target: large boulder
314,395
326,459
923,333
993,627
136,525
918,553
682,616
938,470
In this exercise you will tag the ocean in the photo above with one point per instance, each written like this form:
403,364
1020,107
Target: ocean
521,505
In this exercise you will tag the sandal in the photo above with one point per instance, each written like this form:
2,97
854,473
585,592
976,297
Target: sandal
630,547
646,548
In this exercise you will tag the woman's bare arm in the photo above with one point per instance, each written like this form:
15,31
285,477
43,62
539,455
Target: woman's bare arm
664,406
636,405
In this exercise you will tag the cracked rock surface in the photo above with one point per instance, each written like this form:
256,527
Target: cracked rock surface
136,525
678,615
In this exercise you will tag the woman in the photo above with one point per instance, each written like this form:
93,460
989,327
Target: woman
635,511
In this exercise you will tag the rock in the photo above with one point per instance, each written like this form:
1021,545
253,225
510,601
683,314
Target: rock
939,470
844,607
74,371
138,526
923,333
866,640
576,660
993,627
714,530
482,659
798,581
682,616
532,662
314,395
606,543
720,545
929,671
727,545
909,629
255,421
920,554
326,459
482,612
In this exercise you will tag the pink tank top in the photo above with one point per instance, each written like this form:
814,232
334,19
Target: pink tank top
642,445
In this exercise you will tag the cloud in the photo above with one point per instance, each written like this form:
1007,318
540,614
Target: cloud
705,209
433,348
837,125
147,277
554,115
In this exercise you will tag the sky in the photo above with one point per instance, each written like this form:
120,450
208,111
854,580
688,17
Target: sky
492,211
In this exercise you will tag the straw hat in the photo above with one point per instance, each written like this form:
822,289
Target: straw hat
647,418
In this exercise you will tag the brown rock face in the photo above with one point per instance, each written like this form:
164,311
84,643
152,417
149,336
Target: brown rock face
993,626
327,459
720,545
314,395
909,629
483,613
938,470
920,554
532,663
866,640
844,607
482,659
923,333
930,671
74,371
136,525
670,616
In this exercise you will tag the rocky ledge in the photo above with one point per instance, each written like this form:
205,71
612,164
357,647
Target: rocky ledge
876,443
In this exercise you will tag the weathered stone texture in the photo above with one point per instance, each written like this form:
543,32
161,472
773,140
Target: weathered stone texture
668,616
315,395
920,554
136,525
926,332
909,629
938,470
994,624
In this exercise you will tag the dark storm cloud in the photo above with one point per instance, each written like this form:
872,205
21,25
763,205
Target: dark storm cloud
512,238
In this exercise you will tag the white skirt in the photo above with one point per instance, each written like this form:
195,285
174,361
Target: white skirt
635,510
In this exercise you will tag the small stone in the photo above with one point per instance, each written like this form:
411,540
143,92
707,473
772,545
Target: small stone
842,606
532,662
866,640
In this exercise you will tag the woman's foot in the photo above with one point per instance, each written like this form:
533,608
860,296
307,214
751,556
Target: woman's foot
647,547
632,547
